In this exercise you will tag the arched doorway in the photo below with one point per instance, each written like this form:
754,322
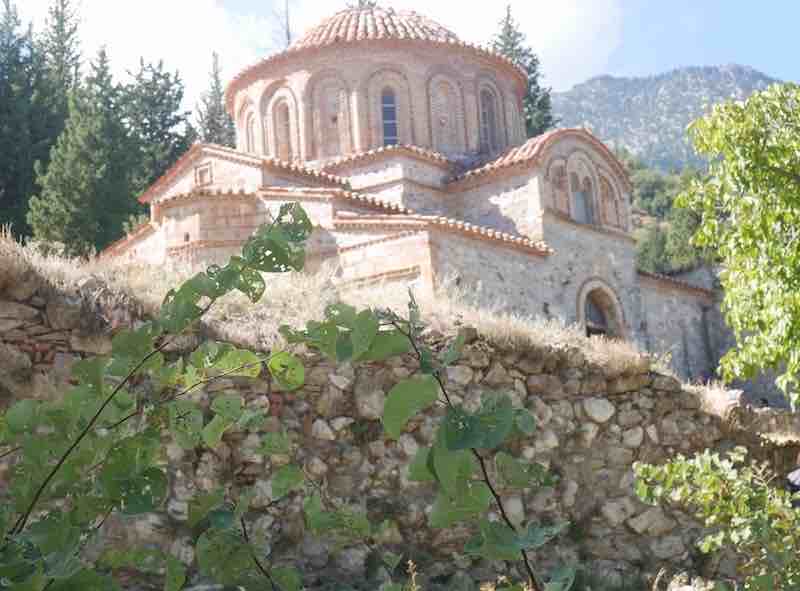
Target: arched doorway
599,311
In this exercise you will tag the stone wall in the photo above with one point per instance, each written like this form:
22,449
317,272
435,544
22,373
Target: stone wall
594,422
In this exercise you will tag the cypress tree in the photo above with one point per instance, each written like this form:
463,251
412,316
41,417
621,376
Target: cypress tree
160,129
86,191
510,41
214,124
61,47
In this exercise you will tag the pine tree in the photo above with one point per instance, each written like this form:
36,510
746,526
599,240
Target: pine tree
60,45
214,124
161,130
86,191
22,114
510,41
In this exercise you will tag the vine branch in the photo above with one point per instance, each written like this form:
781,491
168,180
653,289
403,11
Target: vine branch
262,569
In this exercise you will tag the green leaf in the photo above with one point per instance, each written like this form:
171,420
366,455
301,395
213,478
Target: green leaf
418,470
561,579
84,580
387,344
186,423
497,419
344,348
176,574
202,504
524,421
454,351
58,542
213,431
21,417
144,493
228,406
474,499
391,560
287,370
287,578
238,363
514,473
496,541
405,400
246,497
285,480
364,330
252,419
462,430
535,536
275,444
453,469
224,556
318,520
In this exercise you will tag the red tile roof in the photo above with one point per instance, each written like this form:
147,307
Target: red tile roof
534,148
385,151
235,156
369,24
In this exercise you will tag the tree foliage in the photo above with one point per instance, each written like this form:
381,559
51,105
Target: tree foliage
750,212
214,124
86,191
99,449
510,41
743,509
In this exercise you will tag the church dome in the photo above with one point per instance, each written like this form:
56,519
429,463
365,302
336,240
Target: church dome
374,23
371,77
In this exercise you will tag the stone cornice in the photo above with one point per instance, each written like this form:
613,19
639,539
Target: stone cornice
607,230
670,283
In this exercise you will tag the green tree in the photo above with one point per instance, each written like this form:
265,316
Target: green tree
159,128
651,249
510,41
214,124
749,208
86,190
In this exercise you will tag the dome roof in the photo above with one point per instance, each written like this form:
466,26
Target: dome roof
374,23
369,24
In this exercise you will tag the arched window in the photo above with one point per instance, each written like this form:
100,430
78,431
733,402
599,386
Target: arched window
283,132
600,314
561,190
490,141
330,121
608,204
250,133
581,211
391,135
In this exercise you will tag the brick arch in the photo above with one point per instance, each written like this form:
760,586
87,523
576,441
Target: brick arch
517,133
581,165
446,113
322,133
487,81
395,79
247,135
270,102
602,295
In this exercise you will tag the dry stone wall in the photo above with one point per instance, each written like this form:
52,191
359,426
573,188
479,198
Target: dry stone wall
594,423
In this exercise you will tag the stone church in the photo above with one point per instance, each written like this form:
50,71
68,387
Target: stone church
407,148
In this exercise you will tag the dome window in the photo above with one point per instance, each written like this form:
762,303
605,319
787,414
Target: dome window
490,142
389,115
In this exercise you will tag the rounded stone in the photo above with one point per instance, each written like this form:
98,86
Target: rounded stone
599,410
322,430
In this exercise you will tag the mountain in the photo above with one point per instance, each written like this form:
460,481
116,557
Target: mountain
649,115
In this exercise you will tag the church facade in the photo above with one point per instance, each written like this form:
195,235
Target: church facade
407,148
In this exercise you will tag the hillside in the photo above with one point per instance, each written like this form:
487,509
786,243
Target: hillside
649,115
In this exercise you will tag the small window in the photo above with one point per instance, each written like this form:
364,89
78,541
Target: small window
596,321
489,138
186,237
283,132
250,134
202,175
580,202
389,115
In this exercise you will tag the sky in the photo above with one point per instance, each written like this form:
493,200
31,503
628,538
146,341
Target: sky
575,39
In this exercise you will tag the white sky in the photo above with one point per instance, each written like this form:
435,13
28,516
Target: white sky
573,38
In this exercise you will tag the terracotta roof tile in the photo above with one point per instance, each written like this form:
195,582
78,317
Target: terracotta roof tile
678,283
368,24
234,155
408,150
448,225
530,152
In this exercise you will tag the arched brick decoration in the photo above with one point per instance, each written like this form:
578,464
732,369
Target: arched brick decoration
246,123
582,183
610,206
516,124
331,129
283,136
490,118
598,295
377,84
448,133
559,183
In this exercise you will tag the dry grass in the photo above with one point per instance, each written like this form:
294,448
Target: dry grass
296,298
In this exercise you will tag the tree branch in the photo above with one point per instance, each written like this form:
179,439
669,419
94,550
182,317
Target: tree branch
261,568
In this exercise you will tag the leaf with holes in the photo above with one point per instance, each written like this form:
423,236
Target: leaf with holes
186,423
287,370
228,406
145,493
238,363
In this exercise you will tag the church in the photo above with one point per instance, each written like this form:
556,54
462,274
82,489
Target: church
407,148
